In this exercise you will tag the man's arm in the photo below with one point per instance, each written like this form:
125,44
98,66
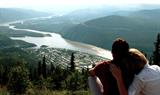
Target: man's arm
97,69
96,76
116,72
95,84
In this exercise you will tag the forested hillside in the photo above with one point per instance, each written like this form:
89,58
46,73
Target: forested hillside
139,29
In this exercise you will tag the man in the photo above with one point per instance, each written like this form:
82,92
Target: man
120,49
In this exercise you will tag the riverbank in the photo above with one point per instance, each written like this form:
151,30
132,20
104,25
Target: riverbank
56,41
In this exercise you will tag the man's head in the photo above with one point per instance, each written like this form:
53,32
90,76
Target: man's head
120,49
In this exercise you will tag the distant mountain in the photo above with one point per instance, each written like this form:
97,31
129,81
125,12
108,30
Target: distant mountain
12,14
90,13
101,11
138,28
153,14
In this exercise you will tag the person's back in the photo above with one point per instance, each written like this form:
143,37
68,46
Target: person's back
147,77
105,76
119,50
149,80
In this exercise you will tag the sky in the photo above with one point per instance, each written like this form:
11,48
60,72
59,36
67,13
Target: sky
61,5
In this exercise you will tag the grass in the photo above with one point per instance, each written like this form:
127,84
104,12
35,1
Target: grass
61,92
3,91
64,92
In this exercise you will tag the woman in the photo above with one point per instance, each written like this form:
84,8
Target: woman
101,79
147,77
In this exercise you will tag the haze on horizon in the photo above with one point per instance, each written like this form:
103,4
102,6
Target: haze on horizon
70,5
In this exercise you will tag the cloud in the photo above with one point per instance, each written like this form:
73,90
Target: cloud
69,4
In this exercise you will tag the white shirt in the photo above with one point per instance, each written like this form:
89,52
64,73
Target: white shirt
147,82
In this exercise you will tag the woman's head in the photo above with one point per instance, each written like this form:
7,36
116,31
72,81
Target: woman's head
135,61
119,49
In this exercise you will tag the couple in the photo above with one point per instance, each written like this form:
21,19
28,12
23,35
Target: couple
127,74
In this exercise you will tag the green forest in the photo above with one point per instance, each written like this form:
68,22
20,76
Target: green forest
45,71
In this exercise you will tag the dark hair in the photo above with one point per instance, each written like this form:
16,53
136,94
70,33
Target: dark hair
120,50
120,47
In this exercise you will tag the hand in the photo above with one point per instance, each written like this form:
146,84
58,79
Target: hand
91,72
116,72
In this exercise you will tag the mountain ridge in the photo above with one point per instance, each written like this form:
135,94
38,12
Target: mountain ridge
138,30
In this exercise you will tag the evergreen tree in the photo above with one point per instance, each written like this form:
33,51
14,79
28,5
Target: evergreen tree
57,77
19,79
74,81
156,53
44,67
52,68
39,68
31,77
1,73
72,63
35,74
5,76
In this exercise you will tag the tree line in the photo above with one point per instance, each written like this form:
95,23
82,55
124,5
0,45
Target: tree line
20,77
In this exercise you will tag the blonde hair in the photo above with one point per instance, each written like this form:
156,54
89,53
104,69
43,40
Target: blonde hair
138,56
136,60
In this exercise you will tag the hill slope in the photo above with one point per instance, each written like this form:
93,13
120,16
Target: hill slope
140,31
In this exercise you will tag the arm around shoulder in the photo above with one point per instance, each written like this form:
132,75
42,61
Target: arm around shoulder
116,72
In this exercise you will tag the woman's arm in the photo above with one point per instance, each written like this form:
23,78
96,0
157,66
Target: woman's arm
116,72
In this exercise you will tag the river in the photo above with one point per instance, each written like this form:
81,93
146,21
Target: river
56,41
